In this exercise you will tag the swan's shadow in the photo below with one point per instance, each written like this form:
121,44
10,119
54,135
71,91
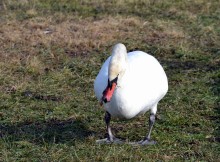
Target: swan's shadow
50,131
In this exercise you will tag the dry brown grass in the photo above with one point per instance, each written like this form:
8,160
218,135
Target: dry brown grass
22,40
32,46
77,35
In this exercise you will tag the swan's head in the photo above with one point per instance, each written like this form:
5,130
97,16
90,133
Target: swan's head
116,70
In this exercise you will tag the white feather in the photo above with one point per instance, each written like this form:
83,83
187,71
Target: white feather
143,84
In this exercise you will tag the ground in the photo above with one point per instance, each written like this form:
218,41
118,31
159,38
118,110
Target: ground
51,52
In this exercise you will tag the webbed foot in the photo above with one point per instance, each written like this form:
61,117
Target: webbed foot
108,141
143,142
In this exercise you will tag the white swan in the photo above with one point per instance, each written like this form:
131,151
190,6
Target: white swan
130,84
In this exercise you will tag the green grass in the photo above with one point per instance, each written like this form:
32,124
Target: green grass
48,111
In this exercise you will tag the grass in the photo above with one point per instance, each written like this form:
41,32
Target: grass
51,52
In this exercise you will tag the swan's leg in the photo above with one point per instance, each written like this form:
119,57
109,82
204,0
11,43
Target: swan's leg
111,138
146,140
107,121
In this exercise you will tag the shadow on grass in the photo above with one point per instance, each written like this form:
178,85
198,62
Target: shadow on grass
51,131
188,64
216,118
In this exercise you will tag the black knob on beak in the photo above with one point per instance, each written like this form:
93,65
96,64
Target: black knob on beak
105,100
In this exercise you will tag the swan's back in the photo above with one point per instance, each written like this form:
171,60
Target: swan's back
146,72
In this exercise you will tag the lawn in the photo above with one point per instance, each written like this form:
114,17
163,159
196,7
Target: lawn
51,52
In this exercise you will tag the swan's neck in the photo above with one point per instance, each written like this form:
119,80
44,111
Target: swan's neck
123,77
118,62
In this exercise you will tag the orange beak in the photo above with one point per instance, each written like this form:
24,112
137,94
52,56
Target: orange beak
107,93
